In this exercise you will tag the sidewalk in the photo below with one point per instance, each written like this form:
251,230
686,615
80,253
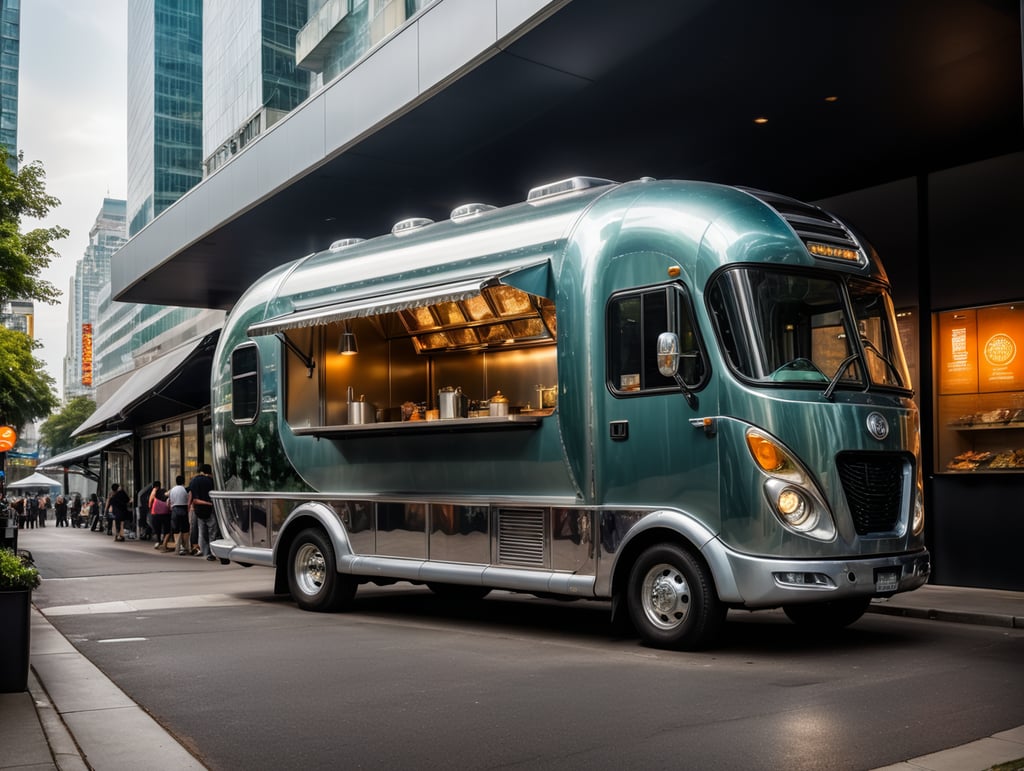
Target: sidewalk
63,720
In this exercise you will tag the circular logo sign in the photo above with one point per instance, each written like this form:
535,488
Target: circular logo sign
8,438
878,426
1000,350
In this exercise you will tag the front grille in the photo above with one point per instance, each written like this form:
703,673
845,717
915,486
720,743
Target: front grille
810,222
521,537
873,483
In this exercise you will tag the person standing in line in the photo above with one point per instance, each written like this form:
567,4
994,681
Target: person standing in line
119,504
200,501
160,511
44,504
76,510
93,512
60,508
144,502
19,508
31,511
177,497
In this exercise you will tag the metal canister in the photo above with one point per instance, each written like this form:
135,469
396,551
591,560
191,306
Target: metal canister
498,406
451,403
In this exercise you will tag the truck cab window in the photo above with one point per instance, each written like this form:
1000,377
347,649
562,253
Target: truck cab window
634,321
245,384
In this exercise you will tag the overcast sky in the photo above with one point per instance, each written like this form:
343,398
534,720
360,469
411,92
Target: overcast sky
71,117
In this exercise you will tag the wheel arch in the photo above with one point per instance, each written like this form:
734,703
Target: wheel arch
675,527
306,515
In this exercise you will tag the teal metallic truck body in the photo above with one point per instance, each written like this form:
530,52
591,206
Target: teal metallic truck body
679,396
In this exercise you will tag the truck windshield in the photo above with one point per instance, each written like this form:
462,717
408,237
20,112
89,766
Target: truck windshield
819,330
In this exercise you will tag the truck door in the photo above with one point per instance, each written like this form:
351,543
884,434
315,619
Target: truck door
651,448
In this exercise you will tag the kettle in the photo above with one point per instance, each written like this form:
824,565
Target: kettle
452,403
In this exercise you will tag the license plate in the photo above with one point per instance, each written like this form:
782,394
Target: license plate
887,580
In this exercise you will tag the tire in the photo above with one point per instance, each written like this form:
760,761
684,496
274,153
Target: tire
313,578
459,592
672,601
830,615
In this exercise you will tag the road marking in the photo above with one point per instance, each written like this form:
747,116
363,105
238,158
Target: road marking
123,639
149,604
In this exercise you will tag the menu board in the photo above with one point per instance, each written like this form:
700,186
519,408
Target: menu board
958,352
1000,339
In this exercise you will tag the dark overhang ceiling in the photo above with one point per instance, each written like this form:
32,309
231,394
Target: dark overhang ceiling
661,88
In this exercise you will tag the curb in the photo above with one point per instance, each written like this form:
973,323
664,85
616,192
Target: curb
66,754
954,616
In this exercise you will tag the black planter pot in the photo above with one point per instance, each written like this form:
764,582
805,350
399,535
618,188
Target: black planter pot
15,639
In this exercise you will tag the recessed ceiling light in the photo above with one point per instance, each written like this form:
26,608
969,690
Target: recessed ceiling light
760,121
831,98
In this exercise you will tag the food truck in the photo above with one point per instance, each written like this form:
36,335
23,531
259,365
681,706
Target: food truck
679,397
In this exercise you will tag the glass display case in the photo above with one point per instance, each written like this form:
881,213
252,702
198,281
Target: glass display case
980,389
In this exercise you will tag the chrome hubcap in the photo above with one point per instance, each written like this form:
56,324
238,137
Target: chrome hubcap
310,568
665,596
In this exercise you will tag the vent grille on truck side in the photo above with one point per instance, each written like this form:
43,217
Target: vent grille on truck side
873,483
521,537
811,223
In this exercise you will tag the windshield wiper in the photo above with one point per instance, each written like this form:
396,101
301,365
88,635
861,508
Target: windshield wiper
868,345
827,393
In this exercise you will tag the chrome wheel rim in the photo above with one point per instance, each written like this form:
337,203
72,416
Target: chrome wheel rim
665,596
310,568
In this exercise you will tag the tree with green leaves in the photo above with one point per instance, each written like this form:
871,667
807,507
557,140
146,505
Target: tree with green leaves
55,433
26,391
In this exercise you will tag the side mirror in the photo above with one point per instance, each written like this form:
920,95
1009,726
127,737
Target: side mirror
668,354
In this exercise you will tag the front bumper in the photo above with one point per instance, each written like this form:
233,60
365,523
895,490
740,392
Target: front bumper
769,583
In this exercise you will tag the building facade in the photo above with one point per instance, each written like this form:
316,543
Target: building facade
10,46
250,80
92,276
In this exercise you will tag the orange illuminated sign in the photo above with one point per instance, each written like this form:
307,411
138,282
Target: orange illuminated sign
8,438
958,352
1001,348
87,355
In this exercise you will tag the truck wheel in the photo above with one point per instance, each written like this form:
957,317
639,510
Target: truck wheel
313,578
833,614
672,600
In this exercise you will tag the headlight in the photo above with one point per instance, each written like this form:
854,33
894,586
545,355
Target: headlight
788,487
917,526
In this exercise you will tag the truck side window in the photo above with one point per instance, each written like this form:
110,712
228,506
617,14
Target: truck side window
635,319
245,384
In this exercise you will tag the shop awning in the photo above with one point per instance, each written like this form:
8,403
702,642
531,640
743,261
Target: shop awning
81,454
534,279
177,382
36,481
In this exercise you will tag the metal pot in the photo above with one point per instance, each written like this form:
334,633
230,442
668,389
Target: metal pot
498,407
452,403
361,412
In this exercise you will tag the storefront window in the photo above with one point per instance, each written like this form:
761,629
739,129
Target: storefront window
980,389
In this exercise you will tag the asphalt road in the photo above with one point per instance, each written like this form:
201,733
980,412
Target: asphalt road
406,680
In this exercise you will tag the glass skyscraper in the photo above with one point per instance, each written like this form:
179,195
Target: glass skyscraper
10,42
250,80
92,275
165,104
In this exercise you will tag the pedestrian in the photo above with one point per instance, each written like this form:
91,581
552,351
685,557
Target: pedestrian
177,497
44,504
31,511
143,503
118,505
76,510
60,508
19,508
201,503
160,511
93,514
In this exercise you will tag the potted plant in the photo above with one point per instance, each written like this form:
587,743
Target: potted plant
18,577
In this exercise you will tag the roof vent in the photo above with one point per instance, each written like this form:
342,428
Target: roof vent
343,243
408,225
470,210
565,186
